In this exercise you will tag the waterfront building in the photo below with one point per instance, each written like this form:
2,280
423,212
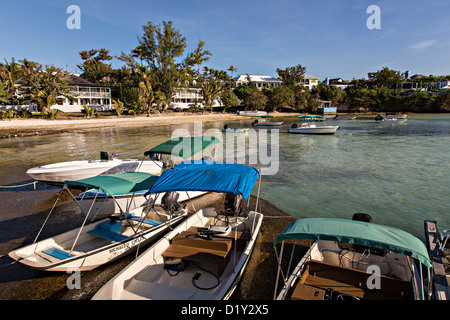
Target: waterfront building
82,91
260,82
338,82
85,93
310,81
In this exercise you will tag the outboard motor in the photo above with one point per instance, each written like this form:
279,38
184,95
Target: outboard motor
254,122
294,126
232,204
225,127
104,155
379,117
170,201
155,156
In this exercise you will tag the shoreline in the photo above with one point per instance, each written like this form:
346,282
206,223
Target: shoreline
46,126
34,126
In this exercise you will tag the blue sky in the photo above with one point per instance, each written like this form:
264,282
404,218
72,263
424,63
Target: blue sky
329,38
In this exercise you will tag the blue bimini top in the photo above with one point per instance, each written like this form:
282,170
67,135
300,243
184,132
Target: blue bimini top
207,176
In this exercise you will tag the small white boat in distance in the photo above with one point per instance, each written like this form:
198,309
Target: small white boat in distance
252,113
234,130
56,173
205,256
391,118
267,122
92,245
346,257
311,128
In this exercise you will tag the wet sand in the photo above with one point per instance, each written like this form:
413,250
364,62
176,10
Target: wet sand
18,282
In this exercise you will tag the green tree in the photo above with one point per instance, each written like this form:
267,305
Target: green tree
256,100
228,99
162,48
10,72
386,77
278,97
213,83
44,85
292,75
94,67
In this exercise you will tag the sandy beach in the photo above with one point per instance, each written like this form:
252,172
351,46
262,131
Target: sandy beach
44,126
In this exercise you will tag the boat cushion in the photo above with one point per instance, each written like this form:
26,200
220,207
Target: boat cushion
109,230
57,253
146,221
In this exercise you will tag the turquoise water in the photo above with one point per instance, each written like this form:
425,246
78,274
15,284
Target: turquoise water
398,173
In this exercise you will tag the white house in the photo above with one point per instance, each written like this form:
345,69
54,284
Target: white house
85,93
310,81
260,82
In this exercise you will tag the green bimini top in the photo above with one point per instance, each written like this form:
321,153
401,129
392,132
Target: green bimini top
309,116
114,184
183,147
357,232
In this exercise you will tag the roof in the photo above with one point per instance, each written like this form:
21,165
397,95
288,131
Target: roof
207,176
114,184
357,232
243,78
308,76
183,147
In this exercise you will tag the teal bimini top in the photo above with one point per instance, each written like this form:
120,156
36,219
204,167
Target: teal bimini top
114,184
183,147
357,232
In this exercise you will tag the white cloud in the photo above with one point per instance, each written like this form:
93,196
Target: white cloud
422,45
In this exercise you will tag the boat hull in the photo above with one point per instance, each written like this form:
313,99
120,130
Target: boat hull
52,254
146,278
315,130
266,124
57,173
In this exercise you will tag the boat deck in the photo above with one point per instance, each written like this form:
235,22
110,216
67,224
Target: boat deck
322,281
205,267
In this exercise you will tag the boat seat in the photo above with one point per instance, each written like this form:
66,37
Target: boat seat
57,253
109,230
144,220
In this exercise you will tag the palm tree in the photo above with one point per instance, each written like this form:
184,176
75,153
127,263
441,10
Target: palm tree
232,69
118,107
146,94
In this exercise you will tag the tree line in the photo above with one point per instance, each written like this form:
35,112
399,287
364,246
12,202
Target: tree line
159,65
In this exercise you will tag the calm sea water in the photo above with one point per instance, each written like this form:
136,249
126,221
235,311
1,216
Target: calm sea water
397,173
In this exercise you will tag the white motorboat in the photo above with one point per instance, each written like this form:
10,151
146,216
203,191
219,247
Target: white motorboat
252,113
439,251
267,122
311,128
391,118
205,256
92,245
56,173
226,129
178,148
350,259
